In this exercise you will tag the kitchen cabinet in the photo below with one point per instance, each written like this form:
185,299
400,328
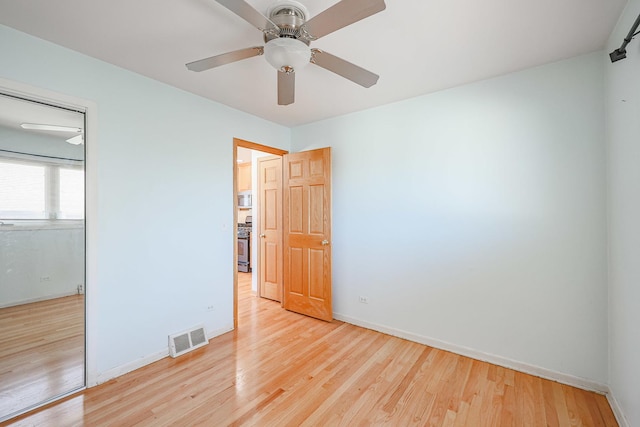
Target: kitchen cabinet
244,177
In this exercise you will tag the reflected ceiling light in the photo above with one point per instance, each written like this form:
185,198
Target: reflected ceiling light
76,140
55,128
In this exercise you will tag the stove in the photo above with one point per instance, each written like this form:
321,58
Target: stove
244,230
244,245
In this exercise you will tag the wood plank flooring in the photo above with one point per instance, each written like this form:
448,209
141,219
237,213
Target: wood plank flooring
41,351
283,369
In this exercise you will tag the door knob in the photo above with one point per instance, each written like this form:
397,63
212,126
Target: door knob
325,242
263,235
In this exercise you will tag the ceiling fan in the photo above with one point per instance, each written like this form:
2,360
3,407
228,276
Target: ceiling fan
288,31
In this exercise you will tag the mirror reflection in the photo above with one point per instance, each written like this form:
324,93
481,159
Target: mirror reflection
42,253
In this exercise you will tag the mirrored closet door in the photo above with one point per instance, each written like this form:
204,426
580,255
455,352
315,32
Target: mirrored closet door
42,253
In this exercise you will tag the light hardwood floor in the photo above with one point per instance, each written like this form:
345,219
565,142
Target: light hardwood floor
283,369
41,351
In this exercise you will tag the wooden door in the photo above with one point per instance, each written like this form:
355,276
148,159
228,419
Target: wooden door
307,233
270,214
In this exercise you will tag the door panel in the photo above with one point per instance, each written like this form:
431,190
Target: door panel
271,258
316,271
316,209
271,199
296,271
307,233
296,214
270,212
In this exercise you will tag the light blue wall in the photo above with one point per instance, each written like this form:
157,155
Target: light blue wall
164,232
623,131
476,216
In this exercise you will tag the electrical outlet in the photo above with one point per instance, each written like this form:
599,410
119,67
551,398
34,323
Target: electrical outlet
80,289
364,300
209,308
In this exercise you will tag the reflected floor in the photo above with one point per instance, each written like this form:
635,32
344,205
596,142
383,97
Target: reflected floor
42,351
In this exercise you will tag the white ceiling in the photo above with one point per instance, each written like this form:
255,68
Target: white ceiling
416,46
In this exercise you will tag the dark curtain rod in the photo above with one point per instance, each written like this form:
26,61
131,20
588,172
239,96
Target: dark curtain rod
621,52
40,155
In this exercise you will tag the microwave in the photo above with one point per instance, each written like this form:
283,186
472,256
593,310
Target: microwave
244,199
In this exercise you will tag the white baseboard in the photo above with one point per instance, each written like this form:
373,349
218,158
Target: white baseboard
218,332
617,410
39,299
537,371
103,377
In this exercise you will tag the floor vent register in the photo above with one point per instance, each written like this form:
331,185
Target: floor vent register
186,341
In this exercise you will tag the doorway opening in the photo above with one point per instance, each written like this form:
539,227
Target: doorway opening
293,215
247,201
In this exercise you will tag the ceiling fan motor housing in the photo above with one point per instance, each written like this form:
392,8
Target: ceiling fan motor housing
289,16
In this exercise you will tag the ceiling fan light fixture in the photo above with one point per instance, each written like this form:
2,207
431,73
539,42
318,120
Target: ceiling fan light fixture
287,54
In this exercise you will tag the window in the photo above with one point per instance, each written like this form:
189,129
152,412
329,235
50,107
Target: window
71,193
36,190
22,191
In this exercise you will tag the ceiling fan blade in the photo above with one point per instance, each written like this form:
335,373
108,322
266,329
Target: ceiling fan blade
343,68
341,14
225,58
245,11
286,87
